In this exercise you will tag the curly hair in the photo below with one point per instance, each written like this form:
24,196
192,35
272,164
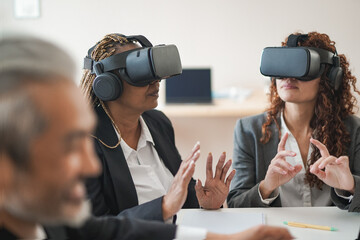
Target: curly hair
332,107
103,49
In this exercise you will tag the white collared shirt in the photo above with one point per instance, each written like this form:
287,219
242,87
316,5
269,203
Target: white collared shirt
40,233
151,177
297,193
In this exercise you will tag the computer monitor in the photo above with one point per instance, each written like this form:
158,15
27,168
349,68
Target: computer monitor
192,86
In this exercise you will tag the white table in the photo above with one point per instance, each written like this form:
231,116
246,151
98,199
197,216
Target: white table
348,224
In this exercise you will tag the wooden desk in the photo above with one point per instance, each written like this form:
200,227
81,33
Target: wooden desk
348,224
254,104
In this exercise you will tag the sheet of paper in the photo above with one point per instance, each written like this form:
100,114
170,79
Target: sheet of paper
222,222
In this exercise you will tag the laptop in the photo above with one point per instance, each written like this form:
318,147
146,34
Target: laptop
192,86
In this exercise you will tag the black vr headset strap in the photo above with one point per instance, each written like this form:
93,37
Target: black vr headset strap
293,40
141,39
325,55
88,61
114,62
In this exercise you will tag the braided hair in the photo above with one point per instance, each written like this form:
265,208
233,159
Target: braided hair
103,49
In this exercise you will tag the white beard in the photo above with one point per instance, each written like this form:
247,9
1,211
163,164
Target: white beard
16,208
81,217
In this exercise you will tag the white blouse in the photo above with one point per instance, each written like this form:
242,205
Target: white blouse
151,177
297,193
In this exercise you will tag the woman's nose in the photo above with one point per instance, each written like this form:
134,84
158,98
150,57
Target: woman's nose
154,82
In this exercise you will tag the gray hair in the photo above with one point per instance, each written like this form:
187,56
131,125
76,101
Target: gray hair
26,60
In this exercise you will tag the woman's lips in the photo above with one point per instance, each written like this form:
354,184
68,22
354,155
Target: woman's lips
154,93
288,86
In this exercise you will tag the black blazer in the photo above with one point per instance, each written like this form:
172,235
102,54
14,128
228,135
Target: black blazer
107,229
113,192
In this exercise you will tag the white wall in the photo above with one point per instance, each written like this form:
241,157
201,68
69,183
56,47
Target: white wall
226,35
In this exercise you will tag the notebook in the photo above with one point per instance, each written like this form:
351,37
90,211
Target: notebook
222,222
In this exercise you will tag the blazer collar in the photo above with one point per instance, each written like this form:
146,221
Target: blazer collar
270,148
56,232
117,165
105,130
166,149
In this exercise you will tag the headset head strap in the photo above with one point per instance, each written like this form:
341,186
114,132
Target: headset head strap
293,40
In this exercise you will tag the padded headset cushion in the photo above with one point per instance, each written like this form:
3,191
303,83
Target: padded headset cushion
335,76
107,86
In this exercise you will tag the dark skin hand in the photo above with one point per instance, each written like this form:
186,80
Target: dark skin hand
176,197
261,232
213,194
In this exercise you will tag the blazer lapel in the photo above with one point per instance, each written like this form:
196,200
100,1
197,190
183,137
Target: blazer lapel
269,152
115,159
164,147
56,232
270,148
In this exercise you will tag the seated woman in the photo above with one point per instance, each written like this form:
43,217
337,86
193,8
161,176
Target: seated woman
141,166
305,150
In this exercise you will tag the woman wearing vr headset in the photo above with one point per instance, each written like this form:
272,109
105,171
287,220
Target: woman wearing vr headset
305,150
142,168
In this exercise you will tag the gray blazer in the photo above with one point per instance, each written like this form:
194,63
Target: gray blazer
251,160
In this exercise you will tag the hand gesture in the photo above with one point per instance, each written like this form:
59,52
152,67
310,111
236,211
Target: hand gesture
216,189
279,171
261,232
333,171
175,198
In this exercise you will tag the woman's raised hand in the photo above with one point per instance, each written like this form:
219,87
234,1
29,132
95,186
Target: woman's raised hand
279,171
333,171
175,198
213,194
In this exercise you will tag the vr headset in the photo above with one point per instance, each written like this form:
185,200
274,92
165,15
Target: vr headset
302,63
138,67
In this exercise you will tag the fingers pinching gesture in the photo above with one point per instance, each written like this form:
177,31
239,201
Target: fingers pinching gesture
333,171
279,171
213,194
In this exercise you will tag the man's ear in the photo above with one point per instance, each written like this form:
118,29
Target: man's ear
7,169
